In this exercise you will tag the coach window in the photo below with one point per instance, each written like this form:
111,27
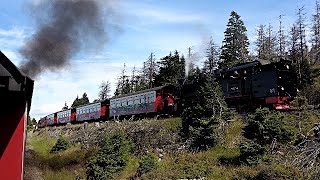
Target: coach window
130,101
149,98
136,100
142,99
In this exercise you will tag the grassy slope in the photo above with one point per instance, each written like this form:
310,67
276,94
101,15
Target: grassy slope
63,165
211,164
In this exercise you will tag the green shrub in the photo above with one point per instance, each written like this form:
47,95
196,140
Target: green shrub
264,125
278,172
300,102
202,131
148,163
61,145
111,158
251,153
203,113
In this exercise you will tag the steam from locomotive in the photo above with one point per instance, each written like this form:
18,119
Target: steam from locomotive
64,27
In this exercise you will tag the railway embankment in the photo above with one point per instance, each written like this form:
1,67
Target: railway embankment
155,149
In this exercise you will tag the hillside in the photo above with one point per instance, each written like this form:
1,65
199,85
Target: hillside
172,158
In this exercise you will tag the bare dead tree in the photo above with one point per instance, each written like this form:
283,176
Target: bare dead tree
308,151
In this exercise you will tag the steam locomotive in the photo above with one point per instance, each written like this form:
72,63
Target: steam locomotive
245,86
253,84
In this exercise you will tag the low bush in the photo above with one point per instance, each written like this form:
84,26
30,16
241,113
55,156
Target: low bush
278,172
264,126
61,145
251,153
148,163
111,158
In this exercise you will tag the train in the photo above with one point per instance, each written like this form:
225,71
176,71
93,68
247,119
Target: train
245,87
147,103
259,84
16,91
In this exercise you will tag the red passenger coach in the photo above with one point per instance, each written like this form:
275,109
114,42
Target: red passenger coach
158,100
15,100
89,112
64,117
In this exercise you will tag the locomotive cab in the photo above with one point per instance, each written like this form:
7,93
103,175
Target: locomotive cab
251,85
15,93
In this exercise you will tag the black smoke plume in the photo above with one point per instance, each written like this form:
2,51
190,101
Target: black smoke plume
64,27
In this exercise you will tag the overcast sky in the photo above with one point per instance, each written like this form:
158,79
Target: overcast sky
144,26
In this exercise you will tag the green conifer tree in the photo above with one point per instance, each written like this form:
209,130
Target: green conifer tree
235,43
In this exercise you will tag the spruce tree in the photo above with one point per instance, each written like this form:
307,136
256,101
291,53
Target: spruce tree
123,84
315,38
266,43
299,51
235,43
148,73
260,41
212,61
105,88
282,40
171,69
85,99
65,107
204,114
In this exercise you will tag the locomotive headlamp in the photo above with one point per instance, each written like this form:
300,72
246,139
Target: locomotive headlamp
287,66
